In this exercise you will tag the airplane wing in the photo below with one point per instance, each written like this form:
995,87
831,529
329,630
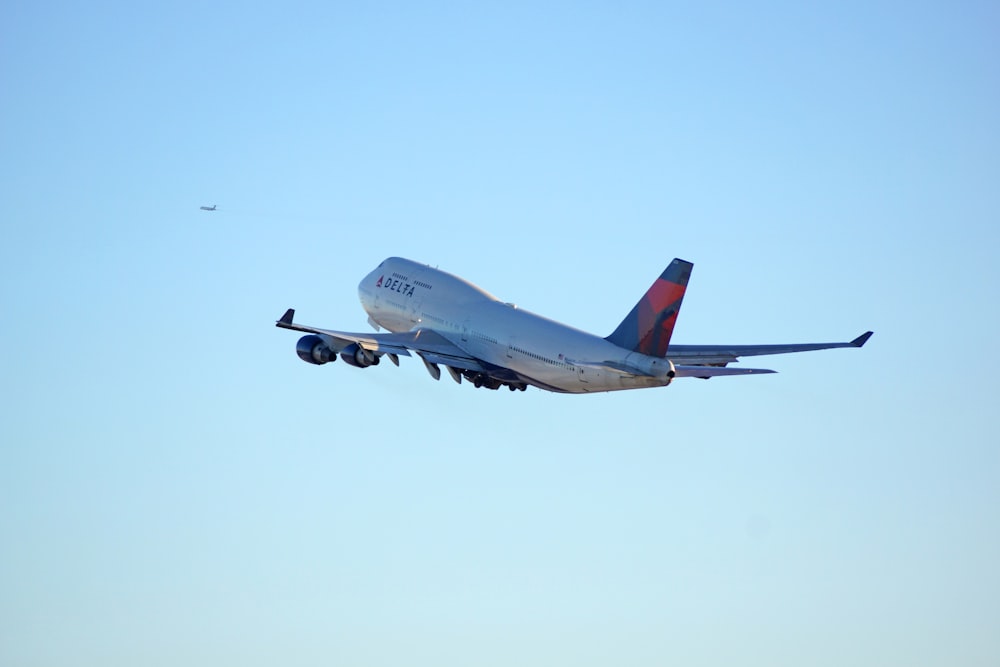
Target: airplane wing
429,345
720,355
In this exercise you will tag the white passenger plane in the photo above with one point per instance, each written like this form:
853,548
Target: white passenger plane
447,321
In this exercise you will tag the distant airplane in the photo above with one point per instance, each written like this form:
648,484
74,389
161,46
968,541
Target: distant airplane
209,208
447,321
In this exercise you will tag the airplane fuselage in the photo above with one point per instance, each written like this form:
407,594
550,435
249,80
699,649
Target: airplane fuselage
401,295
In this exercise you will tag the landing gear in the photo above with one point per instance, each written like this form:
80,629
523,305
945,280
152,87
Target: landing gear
480,380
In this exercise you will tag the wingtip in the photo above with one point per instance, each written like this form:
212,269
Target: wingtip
286,318
862,339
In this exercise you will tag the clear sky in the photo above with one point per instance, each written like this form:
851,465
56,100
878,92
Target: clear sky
176,487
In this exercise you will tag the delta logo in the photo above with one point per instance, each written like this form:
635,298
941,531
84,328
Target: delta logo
395,285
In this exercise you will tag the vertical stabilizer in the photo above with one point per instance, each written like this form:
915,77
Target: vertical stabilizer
648,328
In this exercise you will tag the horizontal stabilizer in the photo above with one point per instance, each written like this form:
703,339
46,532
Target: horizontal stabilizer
715,371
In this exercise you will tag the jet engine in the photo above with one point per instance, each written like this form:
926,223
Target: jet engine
312,350
355,355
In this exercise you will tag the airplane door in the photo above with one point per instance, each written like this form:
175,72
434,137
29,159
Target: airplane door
588,375
416,298
415,303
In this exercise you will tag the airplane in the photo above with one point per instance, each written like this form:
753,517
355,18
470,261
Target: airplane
209,208
447,321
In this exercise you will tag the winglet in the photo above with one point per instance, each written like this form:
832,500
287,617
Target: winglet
286,319
862,339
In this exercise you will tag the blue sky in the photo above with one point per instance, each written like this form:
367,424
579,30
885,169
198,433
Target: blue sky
177,487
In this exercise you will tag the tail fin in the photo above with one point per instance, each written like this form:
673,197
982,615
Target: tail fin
648,327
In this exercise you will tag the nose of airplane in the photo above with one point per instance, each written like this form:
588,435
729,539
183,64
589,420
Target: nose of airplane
366,289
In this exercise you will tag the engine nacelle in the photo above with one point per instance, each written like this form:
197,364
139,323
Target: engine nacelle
312,350
355,355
